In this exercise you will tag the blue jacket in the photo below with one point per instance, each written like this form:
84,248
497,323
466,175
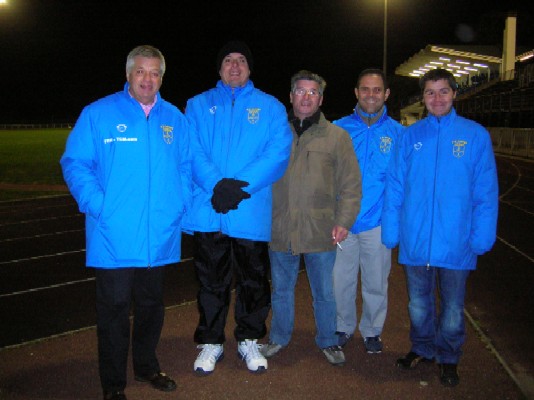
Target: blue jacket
441,197
373,146
246,137
129,175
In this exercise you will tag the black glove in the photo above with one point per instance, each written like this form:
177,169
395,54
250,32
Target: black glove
227,194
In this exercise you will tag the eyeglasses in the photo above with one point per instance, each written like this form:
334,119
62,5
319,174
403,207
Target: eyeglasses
311,92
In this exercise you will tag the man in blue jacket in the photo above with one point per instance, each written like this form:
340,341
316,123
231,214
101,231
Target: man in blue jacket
127,165
241,148
374,136
441,207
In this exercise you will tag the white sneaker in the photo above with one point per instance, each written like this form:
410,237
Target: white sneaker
334,355
270,349
208,357
250,352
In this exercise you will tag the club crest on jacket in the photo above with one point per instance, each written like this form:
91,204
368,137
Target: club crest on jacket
253,115
458,148
167,133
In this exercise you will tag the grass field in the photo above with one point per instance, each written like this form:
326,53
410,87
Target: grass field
31,157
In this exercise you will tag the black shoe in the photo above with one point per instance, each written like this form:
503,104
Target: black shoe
411,360
118,395
343,338
448,375
158,381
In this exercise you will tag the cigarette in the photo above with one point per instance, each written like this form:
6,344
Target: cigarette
337,243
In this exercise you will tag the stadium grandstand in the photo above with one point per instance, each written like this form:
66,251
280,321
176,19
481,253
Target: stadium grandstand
495,88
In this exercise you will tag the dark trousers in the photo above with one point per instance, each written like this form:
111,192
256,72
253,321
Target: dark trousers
217,258
115,290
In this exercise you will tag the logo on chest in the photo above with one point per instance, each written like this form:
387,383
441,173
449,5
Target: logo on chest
253,115
385,144
458,148
168,136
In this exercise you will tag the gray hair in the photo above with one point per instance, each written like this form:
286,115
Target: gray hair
308,76
145,51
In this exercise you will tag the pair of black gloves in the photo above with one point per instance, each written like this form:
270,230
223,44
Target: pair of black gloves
227,194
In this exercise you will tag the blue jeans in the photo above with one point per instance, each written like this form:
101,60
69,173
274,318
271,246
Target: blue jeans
434,335
284,272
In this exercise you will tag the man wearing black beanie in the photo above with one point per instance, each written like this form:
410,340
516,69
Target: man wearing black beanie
241,148
235,46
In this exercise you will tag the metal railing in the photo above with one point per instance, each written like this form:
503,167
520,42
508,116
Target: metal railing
513,141
36,126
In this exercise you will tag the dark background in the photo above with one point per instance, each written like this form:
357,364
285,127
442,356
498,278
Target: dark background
58,56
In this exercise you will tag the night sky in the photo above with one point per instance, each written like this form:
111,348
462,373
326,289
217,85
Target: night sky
58,56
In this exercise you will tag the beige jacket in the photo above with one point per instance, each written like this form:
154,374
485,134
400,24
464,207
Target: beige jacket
321,188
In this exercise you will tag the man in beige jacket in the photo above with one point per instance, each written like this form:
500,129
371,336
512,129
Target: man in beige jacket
314,204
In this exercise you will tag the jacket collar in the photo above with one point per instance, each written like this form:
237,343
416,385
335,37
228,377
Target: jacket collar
444,120
233,94
302,125
126,92
370,119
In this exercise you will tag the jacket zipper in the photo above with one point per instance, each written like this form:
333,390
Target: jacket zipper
434,196
149,187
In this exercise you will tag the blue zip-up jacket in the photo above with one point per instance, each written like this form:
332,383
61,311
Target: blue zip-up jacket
130,175
441,198
373,146
246,137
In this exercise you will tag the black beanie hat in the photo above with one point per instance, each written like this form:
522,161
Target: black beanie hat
235,46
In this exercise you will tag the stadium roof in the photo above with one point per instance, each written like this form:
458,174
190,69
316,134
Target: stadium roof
461,60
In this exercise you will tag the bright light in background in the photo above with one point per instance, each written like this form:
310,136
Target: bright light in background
3,2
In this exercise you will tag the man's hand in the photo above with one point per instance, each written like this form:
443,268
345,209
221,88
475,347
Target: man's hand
227,194
339,234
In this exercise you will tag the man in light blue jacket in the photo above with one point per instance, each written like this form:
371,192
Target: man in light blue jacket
440,206
127,164
374,137
241,148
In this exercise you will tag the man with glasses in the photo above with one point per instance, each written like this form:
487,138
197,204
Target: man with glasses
440,207
314,204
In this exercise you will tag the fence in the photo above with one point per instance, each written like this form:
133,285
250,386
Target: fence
36,126
513,141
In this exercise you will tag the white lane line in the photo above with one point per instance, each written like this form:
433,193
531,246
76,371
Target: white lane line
33,199
73,332
519,208
516,249
42,235
31,221
63,253
516,183
28,208
525,188
46,287
523,386
58,285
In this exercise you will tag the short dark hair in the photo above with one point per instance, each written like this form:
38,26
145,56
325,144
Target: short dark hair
372,71
437,75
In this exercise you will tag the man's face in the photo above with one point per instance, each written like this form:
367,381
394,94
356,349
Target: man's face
371,94
305,98
234,70
145,79
438,97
